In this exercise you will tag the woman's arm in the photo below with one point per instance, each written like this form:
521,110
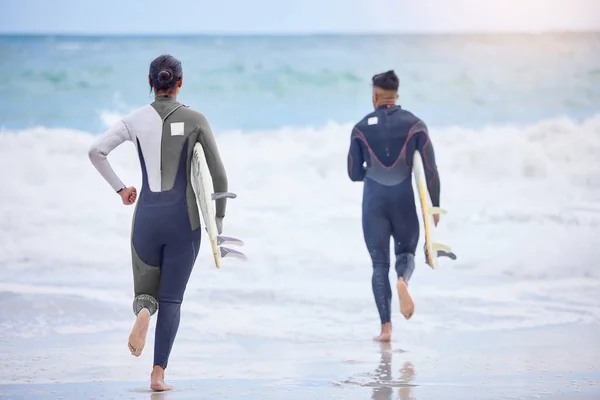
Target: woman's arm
215,165
100,149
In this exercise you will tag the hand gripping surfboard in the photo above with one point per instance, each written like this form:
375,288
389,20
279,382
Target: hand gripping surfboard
433,250
205,196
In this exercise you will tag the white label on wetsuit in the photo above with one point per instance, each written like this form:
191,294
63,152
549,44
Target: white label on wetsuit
177,128
372,121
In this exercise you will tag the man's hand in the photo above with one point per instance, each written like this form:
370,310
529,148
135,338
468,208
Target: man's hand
426,254
128,195
219,225
436,219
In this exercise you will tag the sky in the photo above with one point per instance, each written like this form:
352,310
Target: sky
295,16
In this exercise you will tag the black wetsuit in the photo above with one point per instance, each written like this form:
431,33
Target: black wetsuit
386,140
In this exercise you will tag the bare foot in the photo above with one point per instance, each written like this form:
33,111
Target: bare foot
157,380
137,337
386,333
407,307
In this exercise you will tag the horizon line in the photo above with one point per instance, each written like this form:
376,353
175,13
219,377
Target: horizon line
305,34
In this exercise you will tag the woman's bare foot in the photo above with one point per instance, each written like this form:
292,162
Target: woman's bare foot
137,337
157,380
407,307
386,333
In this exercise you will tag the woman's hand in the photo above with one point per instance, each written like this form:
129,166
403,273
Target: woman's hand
128,195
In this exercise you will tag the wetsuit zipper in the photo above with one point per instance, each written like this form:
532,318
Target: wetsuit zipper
162,135
387,135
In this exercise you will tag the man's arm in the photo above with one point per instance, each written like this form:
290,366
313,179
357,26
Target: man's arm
100,149
215,165
356,170
425,147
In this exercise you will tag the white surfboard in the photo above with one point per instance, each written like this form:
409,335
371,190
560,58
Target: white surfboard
433,250
204,190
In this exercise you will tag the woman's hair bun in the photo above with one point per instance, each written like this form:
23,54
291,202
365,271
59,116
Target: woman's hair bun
165,76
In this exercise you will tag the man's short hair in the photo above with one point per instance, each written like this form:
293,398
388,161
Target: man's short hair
386,81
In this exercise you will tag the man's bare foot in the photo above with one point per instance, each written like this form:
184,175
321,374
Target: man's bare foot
157,380
137,337
407,307
386,333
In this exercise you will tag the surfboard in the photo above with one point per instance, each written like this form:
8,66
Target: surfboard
205,196
433,250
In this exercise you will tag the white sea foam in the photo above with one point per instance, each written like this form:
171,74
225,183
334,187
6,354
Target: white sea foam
524,219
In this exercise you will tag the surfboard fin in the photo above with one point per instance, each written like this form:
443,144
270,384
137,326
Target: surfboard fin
436,210
229,240
227,252
224,195
442,250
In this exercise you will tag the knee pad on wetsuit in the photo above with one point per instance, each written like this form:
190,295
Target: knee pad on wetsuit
405,265
145,301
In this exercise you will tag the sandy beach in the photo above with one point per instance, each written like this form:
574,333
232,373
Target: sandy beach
560,362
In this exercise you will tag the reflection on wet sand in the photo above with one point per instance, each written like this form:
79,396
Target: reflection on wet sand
157,395
382,380
384,384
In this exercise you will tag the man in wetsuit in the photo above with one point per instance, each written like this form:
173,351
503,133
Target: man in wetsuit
386,140
166,226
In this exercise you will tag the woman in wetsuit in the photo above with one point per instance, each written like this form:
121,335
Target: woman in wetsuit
166,227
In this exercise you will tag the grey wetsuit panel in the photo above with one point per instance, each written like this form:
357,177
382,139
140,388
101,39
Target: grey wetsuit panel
180,125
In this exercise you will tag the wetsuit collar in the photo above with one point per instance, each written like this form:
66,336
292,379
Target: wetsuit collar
164,98
383,106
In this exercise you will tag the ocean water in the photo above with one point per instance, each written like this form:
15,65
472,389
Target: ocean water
515,121
251,83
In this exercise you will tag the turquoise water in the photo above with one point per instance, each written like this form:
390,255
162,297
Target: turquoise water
254,83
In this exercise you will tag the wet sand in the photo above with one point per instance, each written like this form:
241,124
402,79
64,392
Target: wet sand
560,362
